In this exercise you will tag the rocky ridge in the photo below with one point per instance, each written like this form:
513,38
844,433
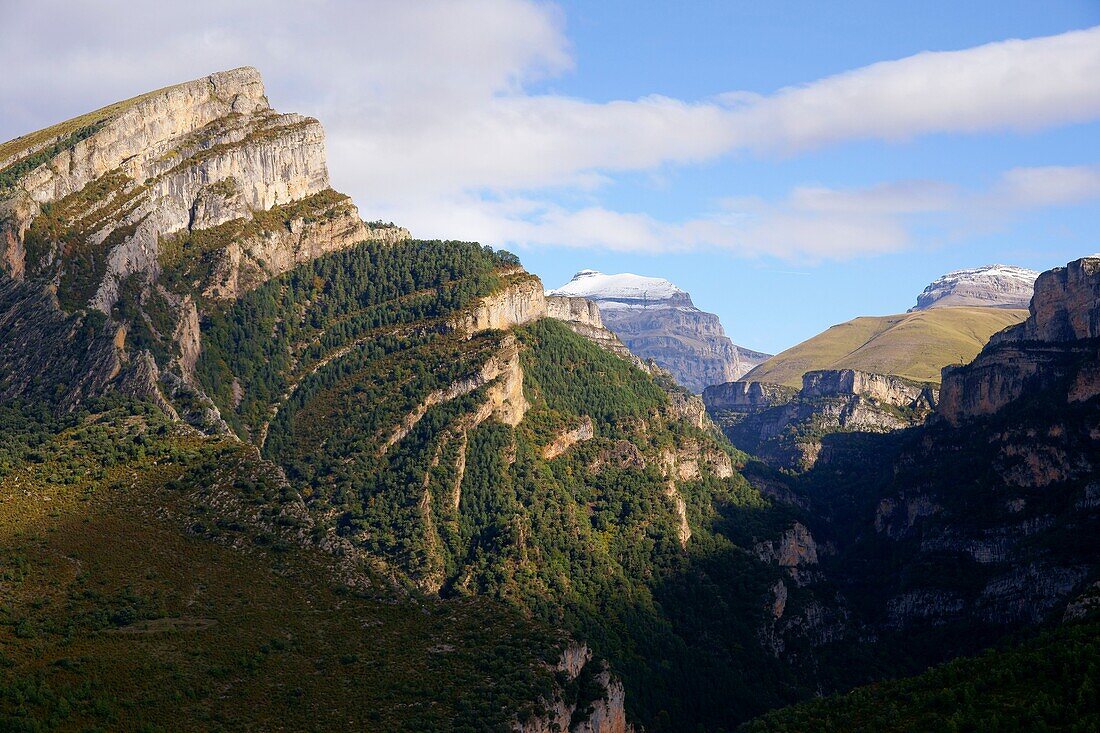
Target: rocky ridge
658,321
1057,343
991,286
986,518
192,194
785,427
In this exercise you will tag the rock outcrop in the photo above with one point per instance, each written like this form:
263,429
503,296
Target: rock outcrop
123,225
583,317
568,714
992,286
657,320
987,520
785,427
1057,344
520,301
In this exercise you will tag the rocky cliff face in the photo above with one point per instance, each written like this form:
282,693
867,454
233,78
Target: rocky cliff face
995,286
583,317
987,520
656,320
1056,344
144,213
603,713
785,427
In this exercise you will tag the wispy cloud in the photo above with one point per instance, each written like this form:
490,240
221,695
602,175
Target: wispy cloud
810,224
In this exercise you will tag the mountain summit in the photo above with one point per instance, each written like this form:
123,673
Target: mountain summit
622,290
657,320
991,286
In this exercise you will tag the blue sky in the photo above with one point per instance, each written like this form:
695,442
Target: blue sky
791,164
696,50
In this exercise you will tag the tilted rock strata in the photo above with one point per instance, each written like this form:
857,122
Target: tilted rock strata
583,318
198,191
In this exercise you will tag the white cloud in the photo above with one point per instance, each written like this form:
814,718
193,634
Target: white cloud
1013,84
1048,186
431,122
811,224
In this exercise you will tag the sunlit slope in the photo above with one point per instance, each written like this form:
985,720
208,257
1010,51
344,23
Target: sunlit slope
910,345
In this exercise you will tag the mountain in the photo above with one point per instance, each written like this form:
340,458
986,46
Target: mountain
274,425
658,321
985,520
264,465
913,346
992,286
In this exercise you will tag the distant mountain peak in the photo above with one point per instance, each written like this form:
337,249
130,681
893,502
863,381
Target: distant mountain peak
989,286
595,285
657,320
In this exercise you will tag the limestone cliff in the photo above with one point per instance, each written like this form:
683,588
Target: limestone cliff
1057,343
570,710
583,317
785,427
123,225
992,286
657,320
988,519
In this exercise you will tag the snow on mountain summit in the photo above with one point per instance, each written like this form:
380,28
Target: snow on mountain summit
596,285
997,286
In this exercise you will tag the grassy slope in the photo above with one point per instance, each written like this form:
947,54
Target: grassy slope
1048,683
911,345
32,140
137,594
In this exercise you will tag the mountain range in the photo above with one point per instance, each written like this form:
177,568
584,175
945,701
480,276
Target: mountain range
265,465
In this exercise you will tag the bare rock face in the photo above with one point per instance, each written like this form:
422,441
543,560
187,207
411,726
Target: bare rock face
583,318
520,301
746,397
786,428
657,320
1057,343
604,714
146,212
994,286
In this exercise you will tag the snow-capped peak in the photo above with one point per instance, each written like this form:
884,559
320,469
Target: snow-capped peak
992,285
598,286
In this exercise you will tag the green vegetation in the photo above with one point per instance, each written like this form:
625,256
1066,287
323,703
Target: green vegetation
344,369
10,175
59,239
190,256
914,345
341,304
152,580
1049,683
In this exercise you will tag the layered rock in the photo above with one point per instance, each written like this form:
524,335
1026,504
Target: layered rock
786,428
657,320
1057,344
147,211
583,317
989,519
991,286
